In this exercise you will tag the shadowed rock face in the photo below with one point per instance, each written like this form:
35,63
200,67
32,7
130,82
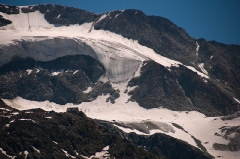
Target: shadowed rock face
233,135
155,32
179,89
159,144
4,22
8,9
76,74
46,134
158,33
222,62
68,15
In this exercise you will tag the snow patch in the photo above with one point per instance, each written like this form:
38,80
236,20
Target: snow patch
38,151
67,154
55,142
57,72
205,80
201,66
103,154
5,109
237,100
195,123
76,152
25,154
102,17
37,70
29,71
89,89
28,112
197,48
119,55
128,130
199,73
22,21
5,153
75,72
7,125
28,120
15,113
12,121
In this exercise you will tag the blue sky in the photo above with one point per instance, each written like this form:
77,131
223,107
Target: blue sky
217,20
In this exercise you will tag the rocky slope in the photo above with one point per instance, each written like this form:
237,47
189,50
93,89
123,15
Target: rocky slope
39,134
124,66
213,96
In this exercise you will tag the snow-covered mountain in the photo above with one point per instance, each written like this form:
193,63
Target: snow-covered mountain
140,73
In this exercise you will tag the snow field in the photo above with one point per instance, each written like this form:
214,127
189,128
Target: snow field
115,53
98,39
196,124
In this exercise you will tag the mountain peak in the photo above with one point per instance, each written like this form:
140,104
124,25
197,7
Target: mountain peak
139,73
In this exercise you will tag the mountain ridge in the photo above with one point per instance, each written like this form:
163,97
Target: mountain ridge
123,66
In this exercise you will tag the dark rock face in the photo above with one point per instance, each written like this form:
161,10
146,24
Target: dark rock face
233,135
68,15
4,22
162,145
206,97
157,33
155,89
50,133
222,62
46,134
179,89
8,9
66,87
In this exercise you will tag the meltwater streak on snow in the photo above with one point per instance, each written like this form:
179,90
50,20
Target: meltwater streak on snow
19,29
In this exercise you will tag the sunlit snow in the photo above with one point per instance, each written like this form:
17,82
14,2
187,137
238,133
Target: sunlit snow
122,59
120,56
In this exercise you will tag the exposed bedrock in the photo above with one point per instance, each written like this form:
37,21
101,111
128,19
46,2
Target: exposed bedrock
63,80
179,89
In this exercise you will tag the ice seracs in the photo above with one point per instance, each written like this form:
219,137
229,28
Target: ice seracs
120,56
